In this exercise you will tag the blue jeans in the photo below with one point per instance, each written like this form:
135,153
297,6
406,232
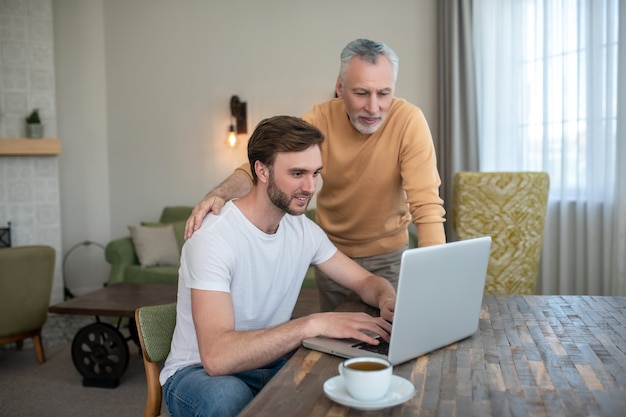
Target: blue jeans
192,392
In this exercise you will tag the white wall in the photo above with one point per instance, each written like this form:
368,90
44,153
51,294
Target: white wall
29,185
143,90
82,125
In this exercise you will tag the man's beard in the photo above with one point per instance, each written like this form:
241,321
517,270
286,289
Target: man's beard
365,128
281,200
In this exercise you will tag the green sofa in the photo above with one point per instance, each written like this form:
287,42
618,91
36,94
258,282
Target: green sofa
120,253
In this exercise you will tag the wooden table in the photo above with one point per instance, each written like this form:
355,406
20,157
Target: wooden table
532,356
100,350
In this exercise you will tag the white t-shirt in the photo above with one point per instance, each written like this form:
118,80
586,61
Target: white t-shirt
262,272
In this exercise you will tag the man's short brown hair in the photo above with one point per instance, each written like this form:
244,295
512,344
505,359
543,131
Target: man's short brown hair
280,134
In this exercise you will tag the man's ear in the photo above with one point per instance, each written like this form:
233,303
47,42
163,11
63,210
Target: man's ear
338,86
262,171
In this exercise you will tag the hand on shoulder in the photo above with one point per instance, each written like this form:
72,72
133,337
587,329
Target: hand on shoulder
208,204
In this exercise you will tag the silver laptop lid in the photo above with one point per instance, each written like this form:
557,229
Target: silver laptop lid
439,297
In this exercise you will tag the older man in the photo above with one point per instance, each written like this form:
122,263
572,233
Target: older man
380,170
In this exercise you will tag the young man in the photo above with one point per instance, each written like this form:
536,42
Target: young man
380,170
241,274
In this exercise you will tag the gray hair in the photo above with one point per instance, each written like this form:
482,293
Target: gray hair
369,51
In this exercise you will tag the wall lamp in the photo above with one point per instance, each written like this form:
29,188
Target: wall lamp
238,111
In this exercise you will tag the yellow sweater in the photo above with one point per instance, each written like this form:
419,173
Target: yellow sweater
369,179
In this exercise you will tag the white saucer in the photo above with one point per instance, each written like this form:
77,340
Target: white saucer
400,390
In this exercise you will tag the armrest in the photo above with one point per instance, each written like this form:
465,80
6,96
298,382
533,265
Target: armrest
120,253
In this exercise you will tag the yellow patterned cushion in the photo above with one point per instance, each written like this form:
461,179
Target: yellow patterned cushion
511,208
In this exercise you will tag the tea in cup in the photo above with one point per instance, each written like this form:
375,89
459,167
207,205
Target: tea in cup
366,379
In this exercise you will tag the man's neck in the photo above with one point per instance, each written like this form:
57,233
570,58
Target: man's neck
260,211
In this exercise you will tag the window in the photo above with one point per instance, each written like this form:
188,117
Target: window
555,73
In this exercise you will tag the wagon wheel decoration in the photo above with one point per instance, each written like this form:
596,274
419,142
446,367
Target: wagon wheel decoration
99,351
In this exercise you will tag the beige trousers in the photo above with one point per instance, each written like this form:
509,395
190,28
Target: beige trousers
332,294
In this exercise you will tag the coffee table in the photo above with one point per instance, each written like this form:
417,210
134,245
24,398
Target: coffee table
100,350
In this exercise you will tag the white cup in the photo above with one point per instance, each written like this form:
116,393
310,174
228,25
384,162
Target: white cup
366,379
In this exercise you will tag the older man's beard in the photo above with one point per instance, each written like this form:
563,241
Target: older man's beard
281,200
364,128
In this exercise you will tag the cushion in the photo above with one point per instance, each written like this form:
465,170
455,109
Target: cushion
155,245
179,230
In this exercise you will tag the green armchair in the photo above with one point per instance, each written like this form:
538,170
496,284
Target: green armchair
25,287
122,256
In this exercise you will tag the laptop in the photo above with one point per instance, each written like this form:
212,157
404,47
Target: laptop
438,302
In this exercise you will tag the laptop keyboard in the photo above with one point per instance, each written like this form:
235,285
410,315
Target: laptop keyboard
382,348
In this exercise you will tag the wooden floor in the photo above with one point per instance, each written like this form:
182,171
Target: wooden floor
308,303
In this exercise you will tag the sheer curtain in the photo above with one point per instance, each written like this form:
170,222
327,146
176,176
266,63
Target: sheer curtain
547,83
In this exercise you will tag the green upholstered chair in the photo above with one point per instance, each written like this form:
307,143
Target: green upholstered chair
155,328
511,208
26,275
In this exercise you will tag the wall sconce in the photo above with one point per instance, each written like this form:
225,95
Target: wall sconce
238,111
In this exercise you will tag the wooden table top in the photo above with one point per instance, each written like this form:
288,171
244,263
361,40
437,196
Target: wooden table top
119,300
532,356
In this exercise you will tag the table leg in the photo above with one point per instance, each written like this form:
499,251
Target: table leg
134,335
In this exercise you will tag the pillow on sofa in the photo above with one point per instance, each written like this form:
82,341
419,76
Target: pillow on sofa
155,245
179,230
